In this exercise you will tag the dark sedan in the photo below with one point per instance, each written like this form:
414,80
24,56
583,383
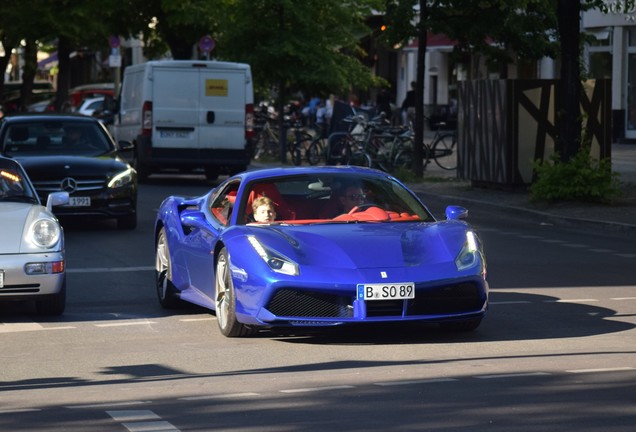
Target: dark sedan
76,154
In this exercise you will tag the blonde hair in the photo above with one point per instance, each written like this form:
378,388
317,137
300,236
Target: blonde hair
262,200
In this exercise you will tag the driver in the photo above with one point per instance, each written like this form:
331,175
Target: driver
351,196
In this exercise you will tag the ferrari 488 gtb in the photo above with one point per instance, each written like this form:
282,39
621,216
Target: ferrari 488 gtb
342,245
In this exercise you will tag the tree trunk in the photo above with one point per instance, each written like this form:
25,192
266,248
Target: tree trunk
569,117
282,132
63,73
8,45
418,151
28,73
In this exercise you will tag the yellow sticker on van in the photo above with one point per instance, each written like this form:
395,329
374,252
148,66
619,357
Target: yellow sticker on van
215,87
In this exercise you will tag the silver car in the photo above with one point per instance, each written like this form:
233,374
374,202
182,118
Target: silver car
32,264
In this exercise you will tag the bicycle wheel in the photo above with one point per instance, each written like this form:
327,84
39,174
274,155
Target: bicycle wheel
296,155
315,152
444,151
360,158
338,148
403,160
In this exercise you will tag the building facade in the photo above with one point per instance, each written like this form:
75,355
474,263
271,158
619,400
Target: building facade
612,54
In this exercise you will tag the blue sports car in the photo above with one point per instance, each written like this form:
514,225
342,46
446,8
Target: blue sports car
341,245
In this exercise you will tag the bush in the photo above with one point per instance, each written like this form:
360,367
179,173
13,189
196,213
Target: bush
582,178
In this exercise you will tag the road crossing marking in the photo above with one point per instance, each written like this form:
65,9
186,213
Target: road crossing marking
141,420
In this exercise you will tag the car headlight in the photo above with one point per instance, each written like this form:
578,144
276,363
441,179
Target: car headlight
276,262
121,179
470,253
45,233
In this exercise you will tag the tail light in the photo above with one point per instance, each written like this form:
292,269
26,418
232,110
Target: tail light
146,119
249,121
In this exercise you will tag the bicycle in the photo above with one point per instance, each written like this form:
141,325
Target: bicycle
301,143
441,148
266,141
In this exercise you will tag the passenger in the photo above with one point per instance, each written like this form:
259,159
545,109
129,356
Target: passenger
264,210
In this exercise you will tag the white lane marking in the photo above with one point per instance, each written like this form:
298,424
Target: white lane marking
157,426
222,396
107,404
572,301
197,319
126,323
424,381
623,298
615,369
512,375
138,421
109,269
316,389
22,327
622,255
17,411
132,415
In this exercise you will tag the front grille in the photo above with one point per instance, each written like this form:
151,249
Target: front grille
83,185
298,303
380,308
450,299
20,289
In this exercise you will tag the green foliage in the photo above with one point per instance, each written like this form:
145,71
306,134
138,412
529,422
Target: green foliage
310,45
582,178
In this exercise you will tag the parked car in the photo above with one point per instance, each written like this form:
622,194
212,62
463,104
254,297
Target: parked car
32,265
74,153
387,259
90,105
87,91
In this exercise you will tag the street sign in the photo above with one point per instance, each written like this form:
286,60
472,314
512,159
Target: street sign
114,41
206,44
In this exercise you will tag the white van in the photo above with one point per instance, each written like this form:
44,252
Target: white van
187,115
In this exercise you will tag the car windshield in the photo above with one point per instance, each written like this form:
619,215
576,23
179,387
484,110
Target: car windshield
55,137
332,198
14,186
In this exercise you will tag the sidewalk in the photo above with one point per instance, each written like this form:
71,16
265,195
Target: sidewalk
618,216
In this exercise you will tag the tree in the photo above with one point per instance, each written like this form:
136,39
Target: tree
494,29
310,45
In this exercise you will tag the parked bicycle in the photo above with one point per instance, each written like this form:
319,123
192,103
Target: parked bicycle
443,147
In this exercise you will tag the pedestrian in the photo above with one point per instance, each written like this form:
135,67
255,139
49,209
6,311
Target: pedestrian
408,105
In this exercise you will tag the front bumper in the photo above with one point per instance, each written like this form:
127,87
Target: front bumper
18,285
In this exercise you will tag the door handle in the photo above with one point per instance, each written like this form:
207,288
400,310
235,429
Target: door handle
210,117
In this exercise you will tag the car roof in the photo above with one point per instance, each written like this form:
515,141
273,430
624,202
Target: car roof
267,173
29,117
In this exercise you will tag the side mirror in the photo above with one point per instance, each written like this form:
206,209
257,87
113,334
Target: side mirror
56,199
193,219
456,212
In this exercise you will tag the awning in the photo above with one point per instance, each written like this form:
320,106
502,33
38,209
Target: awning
49,62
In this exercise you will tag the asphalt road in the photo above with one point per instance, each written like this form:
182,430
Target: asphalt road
556,351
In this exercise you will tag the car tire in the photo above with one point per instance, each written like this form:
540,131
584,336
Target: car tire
54,304
128,222
166,291
211,173
225,300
